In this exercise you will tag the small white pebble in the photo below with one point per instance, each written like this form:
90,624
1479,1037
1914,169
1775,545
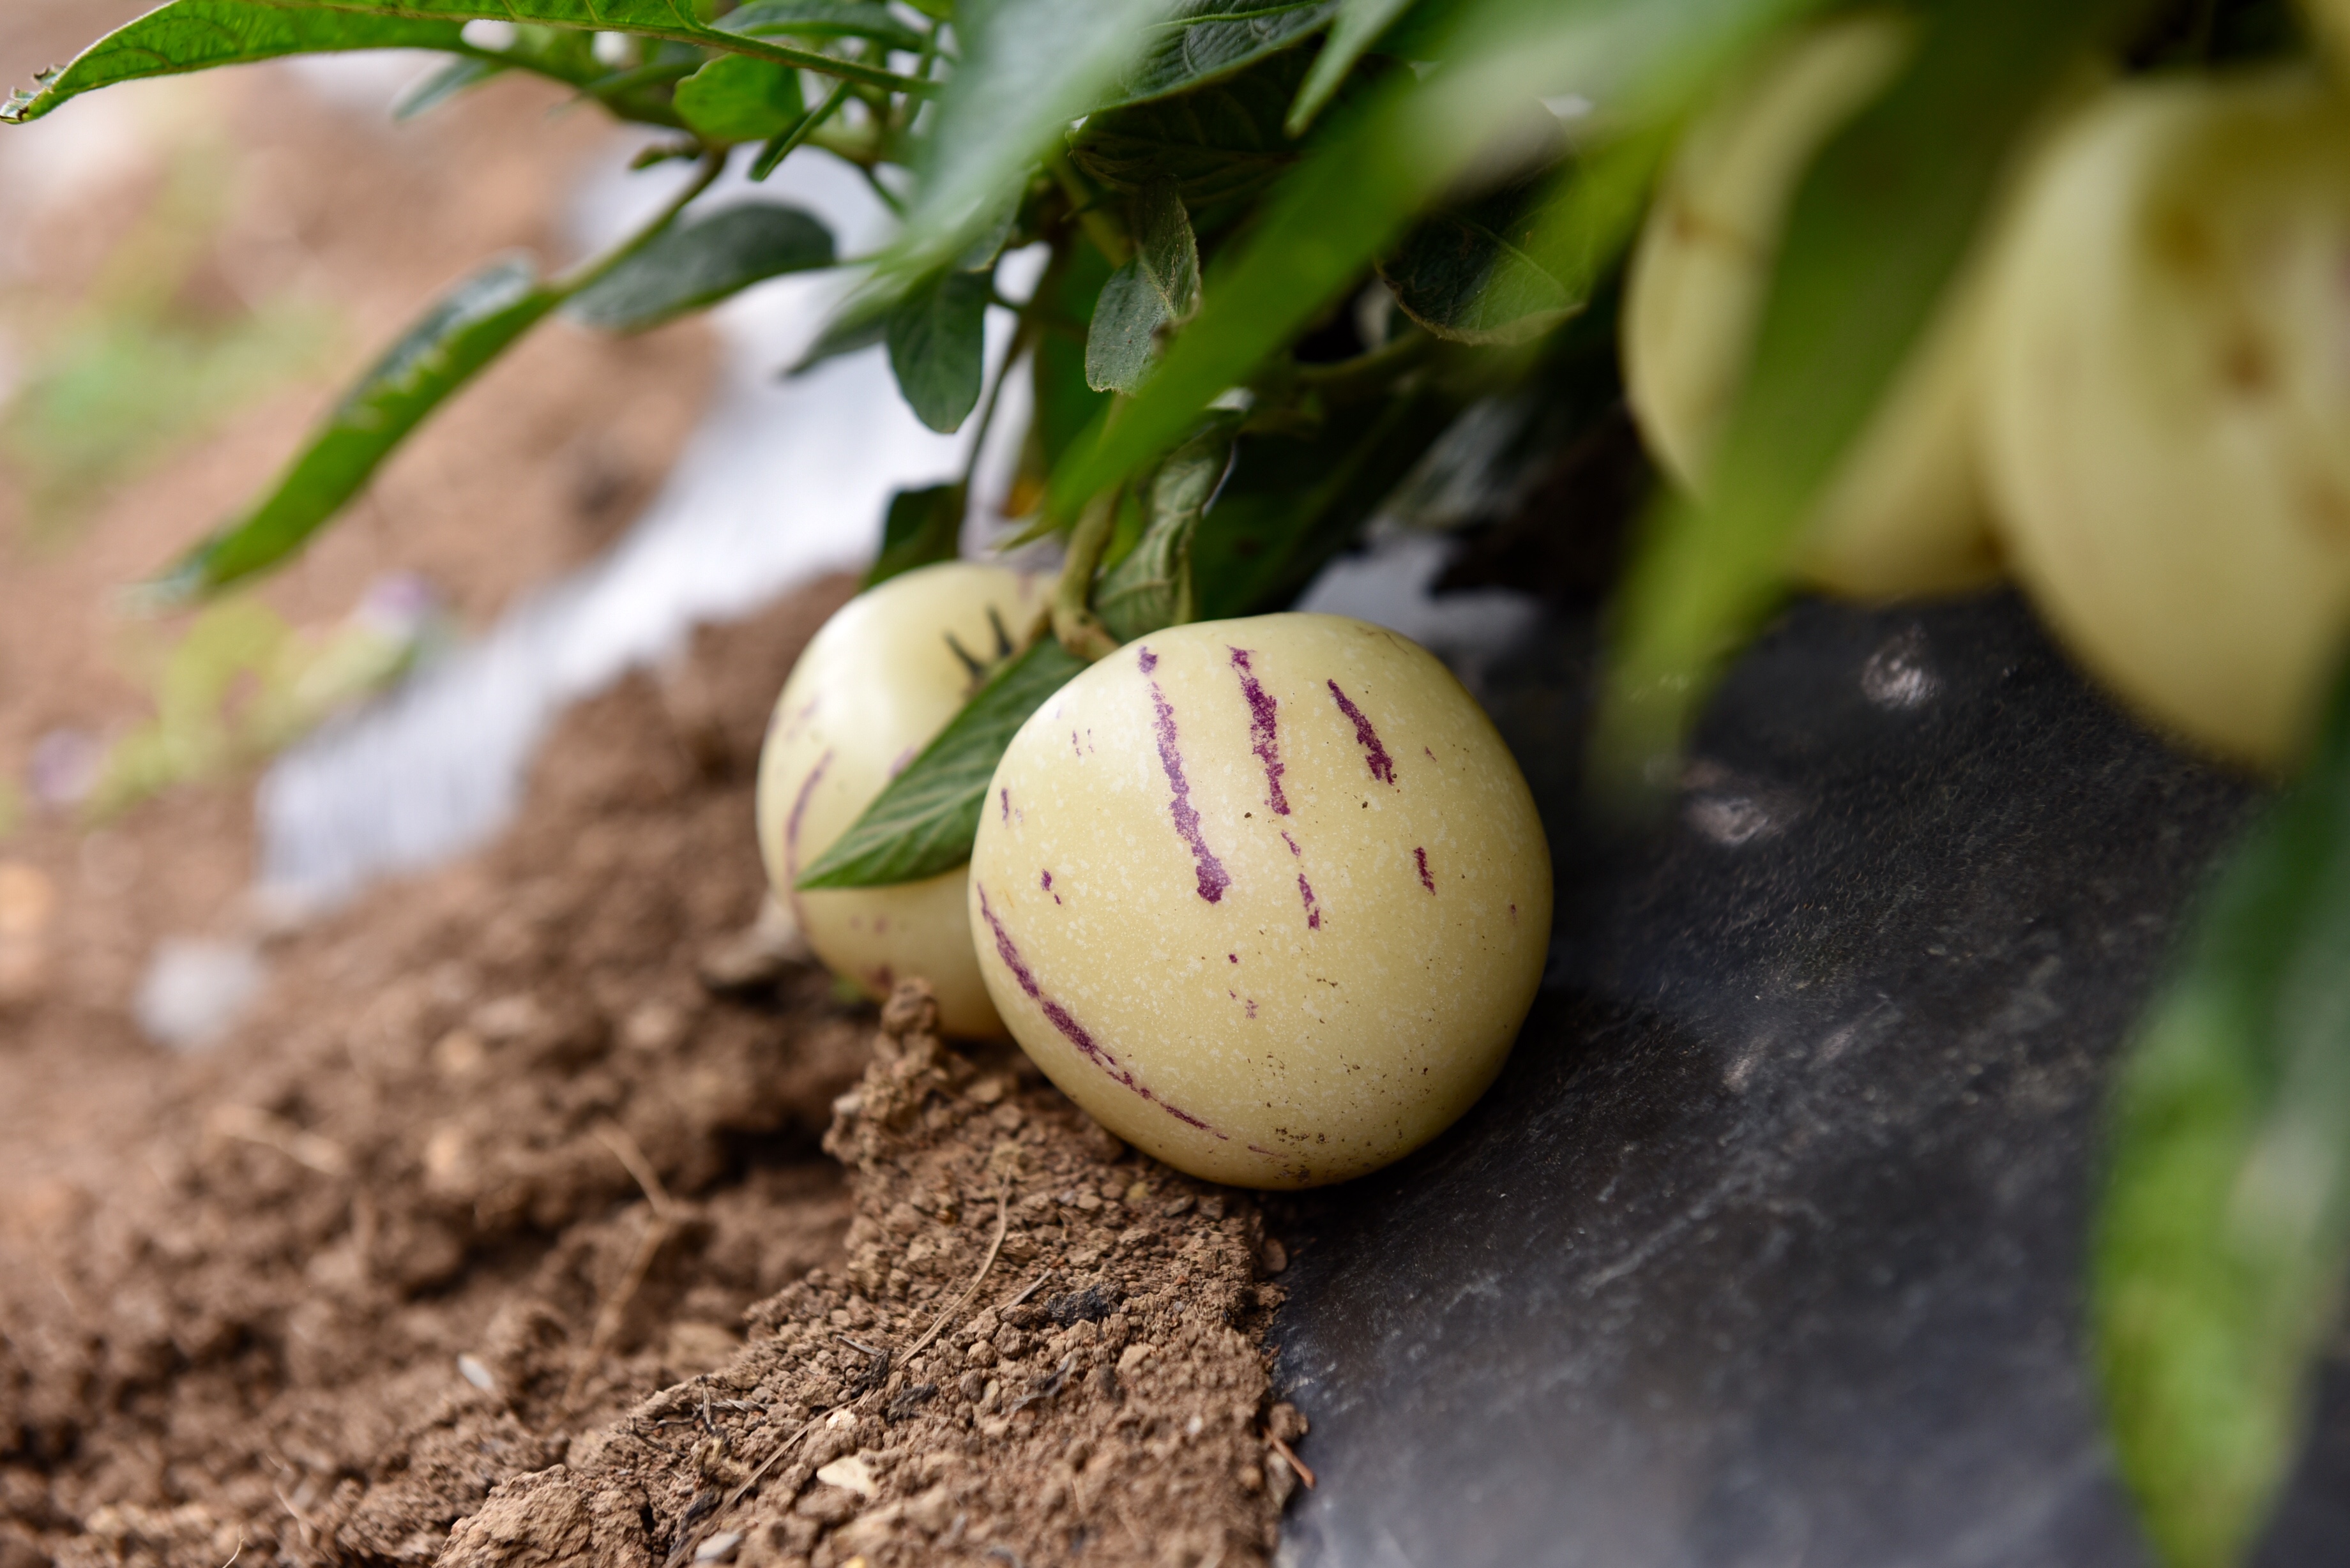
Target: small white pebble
719,1547
471,1369
851,1474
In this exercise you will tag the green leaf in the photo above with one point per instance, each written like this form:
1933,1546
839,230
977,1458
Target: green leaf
923,526
1876,230
1217,143
1065,403
1401,146
1165,248
922,822
1159,289
677,21
737,98
986,245
464,331
2223,1227
1152,585
1469,273
1028,68
198,35
1360,24
1207,40
821,19
938,347
848,332
699,264
1123,342
461,75
1294,502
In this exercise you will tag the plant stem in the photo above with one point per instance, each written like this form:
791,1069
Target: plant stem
782,146
1074,621
596,268
791,55
873,178
606,88
1371,372
1018,346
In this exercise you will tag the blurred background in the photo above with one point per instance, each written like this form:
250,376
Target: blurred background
192,268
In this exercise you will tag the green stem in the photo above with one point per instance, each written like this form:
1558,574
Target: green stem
783,146
1365,373
822,65
1074,621
596,268
873,178
607,88
1021,336
1108,235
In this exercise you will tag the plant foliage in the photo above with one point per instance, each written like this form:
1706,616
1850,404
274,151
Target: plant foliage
1292,248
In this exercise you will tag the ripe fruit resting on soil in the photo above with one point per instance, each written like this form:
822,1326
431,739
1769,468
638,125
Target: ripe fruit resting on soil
1268,898
1903,515
2166,401
875,685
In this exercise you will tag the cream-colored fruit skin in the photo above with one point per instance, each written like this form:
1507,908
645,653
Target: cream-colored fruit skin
2166,402
1904,515
875,686
1264,1038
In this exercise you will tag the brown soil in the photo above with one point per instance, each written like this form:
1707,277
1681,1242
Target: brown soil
450,1252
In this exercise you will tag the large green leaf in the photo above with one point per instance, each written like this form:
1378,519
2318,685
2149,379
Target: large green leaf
699,264
679,21
1470,272
735,97
1876,229
1217,143
1398,148
1152,587
464,331
821,19
938,347
1358,26
1028,67
1205,40
922,822
2224,1227
922,527
1157,289
198,35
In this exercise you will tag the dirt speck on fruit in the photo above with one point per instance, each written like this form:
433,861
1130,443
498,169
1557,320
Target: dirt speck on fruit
549,1212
